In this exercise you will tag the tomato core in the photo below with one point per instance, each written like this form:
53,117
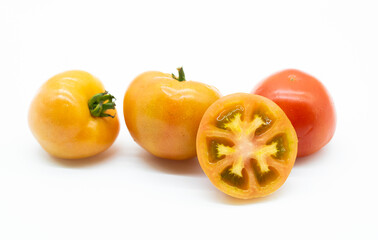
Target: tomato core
244,147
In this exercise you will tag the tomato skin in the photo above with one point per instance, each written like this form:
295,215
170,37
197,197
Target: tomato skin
60,120
163,114
242,150
308,105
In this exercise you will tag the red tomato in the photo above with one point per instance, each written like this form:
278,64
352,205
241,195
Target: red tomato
307,104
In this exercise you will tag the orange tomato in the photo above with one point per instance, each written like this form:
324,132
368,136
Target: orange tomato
73,117
162,113
246,145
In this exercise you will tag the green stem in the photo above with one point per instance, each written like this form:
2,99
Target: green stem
181,77
101,102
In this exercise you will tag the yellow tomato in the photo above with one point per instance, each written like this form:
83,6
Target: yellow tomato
163,112
72,116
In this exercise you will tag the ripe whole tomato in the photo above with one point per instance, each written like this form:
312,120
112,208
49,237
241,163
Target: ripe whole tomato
162,113
307,104
72,116
246,145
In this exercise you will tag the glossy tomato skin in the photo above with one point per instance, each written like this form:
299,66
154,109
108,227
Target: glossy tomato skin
163,114
60,120
246,145
308,105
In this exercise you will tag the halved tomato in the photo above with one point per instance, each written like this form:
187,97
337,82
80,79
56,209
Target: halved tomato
246,145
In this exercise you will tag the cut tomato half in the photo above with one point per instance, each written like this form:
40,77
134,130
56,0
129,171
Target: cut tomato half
246,145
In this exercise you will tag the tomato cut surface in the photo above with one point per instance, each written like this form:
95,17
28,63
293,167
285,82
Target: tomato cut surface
246,145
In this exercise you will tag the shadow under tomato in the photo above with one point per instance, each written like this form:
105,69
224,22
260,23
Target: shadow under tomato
86,162
317,156
226,199
178,167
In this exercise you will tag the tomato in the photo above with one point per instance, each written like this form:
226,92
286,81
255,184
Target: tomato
246,145
308,105
72,116
162,113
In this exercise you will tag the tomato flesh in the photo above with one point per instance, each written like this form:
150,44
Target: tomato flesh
246,145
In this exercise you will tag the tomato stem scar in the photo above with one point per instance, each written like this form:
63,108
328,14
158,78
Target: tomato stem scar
181,77
292,77
101,102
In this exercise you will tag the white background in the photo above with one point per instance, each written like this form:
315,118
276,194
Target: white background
125,193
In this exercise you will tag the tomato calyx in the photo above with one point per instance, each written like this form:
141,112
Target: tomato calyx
100,103
181,77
